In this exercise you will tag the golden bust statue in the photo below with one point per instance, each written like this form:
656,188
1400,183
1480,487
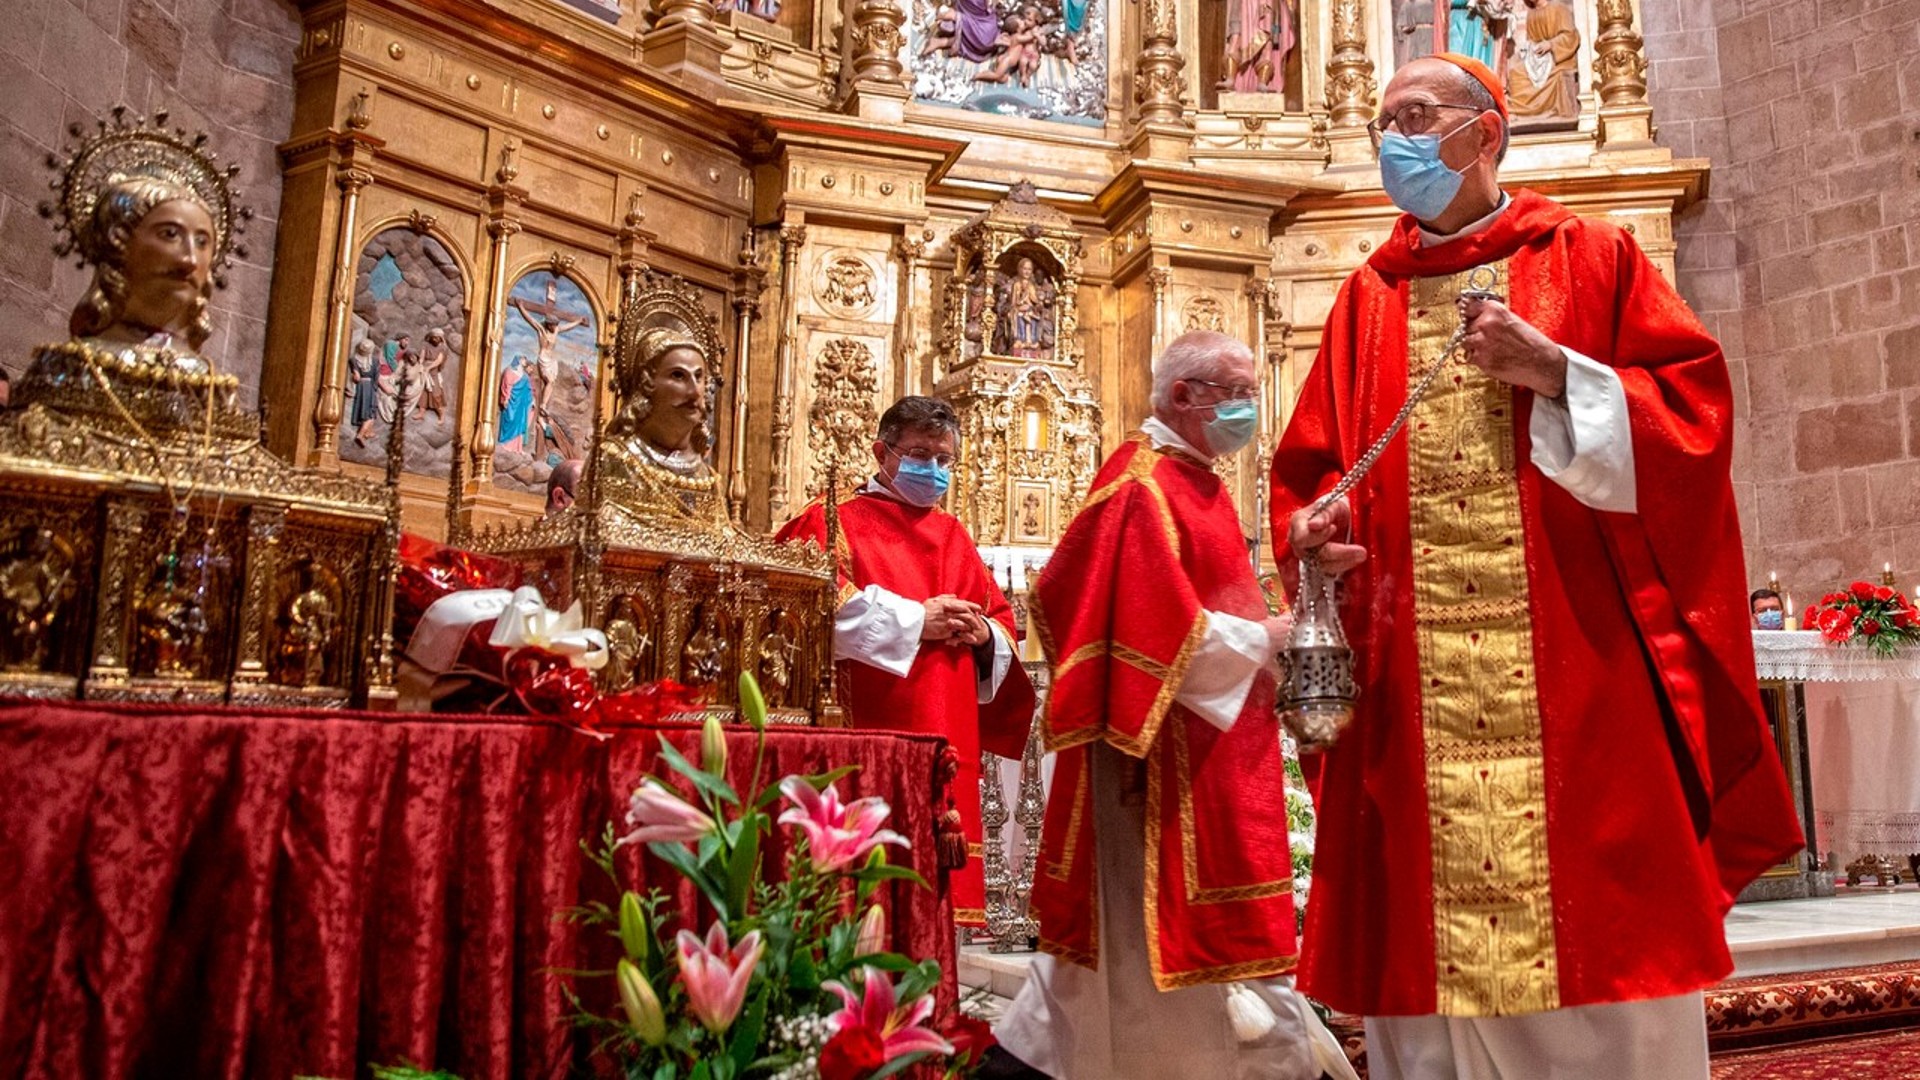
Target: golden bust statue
655,460
153,214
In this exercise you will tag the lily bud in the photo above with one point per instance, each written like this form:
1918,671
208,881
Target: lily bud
642,1005
753,704
634,936
713,747
873,930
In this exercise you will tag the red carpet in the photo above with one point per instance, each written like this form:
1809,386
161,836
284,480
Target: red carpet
1890,1055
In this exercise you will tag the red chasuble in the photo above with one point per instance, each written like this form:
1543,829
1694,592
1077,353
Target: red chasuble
1559,774
920,553
1120,609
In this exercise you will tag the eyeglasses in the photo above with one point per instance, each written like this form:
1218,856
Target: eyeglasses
1413,118
1233,393
922,455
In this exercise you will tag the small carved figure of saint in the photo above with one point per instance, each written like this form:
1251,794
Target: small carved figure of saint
776,663
35,582
1260,36
173,629
625,647
1029,314
701,660
1543,66
310,627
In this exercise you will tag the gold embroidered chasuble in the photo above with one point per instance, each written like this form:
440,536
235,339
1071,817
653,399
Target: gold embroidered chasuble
1480,709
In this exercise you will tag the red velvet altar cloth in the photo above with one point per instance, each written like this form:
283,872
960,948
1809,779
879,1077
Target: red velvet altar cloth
186,893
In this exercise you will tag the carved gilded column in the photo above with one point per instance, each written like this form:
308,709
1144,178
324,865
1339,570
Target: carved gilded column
1162,128
749,280
355,173
684,43
1350,85
1620,69
264,525
877,89
1159,277
119,561
909,251
635,244
792,239
678,12
503,221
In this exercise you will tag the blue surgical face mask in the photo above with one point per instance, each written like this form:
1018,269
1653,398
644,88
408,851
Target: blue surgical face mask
1415,178
1773,619
921,483
1232,426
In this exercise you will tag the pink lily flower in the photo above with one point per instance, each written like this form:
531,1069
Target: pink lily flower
715,975
660,816
900,1028
837,836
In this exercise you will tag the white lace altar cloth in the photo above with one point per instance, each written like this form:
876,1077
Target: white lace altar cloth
1863,740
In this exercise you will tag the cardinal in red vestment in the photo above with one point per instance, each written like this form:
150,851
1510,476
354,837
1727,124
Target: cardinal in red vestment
1164,889
923,638
1558,776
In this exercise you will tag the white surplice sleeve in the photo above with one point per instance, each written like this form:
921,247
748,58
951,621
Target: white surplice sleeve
1229,656
1583,440
880,629
991,662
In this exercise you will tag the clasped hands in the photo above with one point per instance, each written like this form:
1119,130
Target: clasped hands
1498,342
955,621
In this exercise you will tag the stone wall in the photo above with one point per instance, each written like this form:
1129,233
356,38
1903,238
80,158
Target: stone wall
1805,261
220,66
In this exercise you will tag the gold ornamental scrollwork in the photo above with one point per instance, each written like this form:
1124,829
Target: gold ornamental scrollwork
1204,312
844,414
845,285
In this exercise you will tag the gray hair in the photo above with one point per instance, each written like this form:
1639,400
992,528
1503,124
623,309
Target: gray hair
1196,354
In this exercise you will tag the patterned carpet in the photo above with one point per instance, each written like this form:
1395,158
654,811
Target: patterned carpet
1813,1025
1895,1054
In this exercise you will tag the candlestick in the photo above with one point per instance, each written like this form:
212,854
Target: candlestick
1773,580
1886,574
1793,617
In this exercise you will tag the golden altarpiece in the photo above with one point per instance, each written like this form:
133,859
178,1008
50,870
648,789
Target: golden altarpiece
1013,202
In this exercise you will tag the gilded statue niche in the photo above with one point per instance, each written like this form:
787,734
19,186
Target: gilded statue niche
147,527
1029,420
648,548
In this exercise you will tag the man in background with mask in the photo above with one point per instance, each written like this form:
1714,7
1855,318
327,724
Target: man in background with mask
923,638
1767,610
1165,883
1558,774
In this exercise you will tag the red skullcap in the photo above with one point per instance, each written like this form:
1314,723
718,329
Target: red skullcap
1482,74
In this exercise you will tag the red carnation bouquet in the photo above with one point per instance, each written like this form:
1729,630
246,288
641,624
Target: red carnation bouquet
1866,614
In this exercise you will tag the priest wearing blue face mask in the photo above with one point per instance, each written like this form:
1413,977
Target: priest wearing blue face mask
1558,774
923,638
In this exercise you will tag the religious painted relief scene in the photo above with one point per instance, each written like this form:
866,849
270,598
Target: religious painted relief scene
549,359
1040,59
405,360
963,539
1533,47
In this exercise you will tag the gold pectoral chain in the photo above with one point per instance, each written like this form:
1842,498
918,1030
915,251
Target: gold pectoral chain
1481,285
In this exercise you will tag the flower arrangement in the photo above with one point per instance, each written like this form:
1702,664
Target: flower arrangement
1866,614
791,980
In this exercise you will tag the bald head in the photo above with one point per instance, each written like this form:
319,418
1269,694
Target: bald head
562,483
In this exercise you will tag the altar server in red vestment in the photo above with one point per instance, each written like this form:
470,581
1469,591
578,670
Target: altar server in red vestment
1164,888
1558,776
923,637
